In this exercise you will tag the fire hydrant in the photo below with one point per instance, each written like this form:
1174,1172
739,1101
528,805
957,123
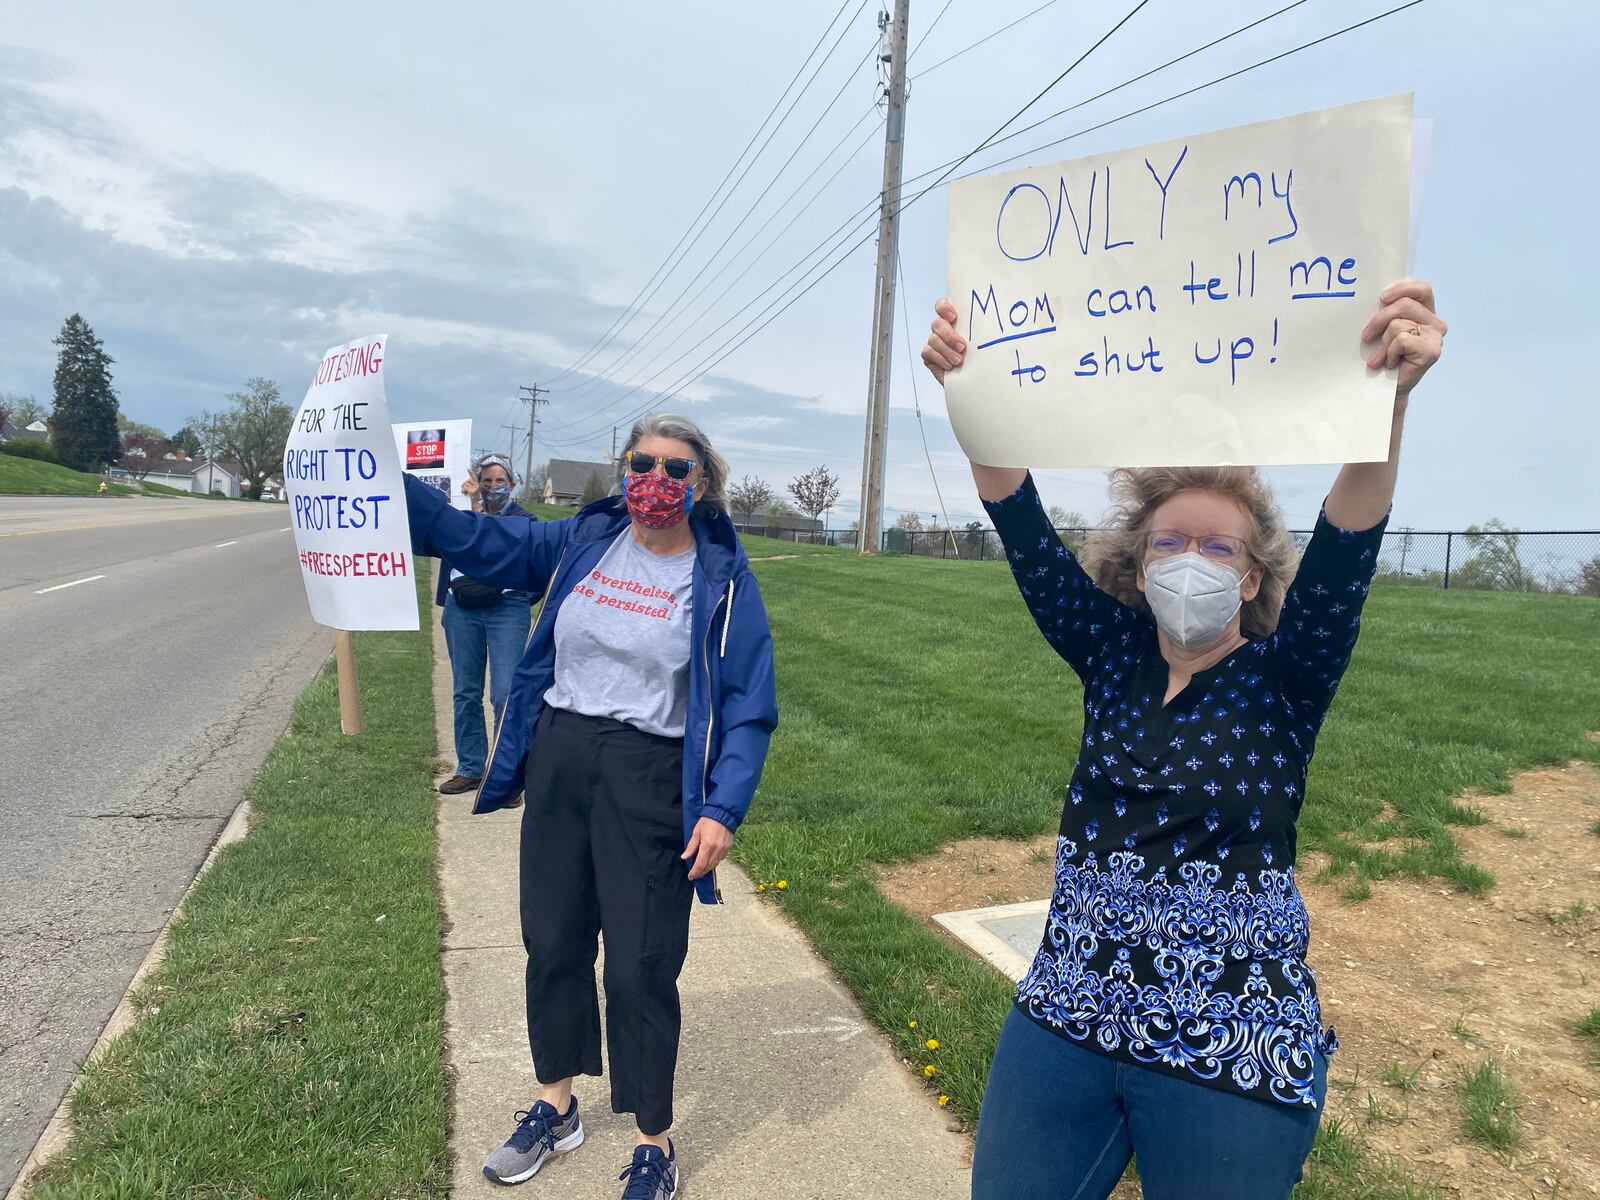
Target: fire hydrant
103,488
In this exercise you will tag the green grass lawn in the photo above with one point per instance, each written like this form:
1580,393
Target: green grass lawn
290,1043
919,705
30,477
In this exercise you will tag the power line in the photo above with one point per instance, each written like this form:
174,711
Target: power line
1106,36
956,163
758,324
929,29
677,307
633,387
655,286
596,345
1211,83
982,40
916,402
706,367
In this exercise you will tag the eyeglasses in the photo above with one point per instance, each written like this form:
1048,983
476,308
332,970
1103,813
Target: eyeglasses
641,463
1164,543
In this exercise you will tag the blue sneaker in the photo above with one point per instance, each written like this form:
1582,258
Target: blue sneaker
541,1134
652,1175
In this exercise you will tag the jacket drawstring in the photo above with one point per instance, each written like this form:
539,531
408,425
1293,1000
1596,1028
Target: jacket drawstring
727,620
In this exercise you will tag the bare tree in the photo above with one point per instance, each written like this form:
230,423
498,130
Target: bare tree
1589,577
816,491
1069,524
253,432
24,410
1496,562
141,453
748,497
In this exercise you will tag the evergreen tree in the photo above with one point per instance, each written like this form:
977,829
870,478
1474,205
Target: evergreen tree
85,414
187,440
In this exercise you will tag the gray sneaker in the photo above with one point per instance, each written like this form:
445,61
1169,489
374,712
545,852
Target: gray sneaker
652,1175
541,1135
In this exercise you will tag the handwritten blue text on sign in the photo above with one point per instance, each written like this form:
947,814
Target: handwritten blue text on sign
1197,301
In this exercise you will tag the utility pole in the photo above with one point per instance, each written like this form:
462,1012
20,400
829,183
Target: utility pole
616,463
534,397
883,309
511,445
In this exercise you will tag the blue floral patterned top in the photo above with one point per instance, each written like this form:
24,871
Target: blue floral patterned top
1176,938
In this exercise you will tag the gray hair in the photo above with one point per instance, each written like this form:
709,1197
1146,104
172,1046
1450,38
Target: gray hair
713,467
1114,554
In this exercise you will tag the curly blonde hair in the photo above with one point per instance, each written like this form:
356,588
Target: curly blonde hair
1113,554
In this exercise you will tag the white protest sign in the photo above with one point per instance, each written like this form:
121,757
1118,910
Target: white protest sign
437,453
1196,302
347,496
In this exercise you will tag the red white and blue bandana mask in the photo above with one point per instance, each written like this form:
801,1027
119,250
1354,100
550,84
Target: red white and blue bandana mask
657,501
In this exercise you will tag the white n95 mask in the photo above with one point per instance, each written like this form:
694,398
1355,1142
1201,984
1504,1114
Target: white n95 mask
1192,597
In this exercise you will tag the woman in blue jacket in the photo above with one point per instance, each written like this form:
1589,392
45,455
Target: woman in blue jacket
638,722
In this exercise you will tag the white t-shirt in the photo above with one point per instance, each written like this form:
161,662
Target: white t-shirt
622,639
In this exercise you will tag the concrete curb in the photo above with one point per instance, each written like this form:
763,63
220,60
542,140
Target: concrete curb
58,1132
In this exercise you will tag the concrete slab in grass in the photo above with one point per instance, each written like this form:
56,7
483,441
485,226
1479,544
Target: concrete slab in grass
784,1090
1006,935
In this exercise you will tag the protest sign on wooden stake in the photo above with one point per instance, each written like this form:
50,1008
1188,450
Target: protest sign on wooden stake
1196,302
347,498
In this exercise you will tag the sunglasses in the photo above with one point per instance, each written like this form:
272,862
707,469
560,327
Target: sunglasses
641,463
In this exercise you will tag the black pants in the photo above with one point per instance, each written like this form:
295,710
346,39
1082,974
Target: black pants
601,838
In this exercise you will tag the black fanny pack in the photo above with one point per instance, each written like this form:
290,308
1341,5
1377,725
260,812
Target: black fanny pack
471,594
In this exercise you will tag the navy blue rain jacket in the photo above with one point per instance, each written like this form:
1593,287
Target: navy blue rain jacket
733,700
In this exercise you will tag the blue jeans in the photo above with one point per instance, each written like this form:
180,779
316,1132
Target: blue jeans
1060,1122
477,637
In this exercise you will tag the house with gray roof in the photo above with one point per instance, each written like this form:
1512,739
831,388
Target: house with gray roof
565,479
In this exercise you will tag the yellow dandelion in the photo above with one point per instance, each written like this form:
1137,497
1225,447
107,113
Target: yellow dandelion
783,885
929,1071
911,1024
943,1100
761,887
932,1043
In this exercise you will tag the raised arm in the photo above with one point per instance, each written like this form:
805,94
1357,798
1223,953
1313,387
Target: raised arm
1410,335
498,552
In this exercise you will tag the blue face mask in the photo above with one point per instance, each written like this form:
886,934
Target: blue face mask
495,496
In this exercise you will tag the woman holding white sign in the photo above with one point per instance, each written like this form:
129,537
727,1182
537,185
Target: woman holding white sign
1169,1013
638,721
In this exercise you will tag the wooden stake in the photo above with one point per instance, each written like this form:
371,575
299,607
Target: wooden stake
351,719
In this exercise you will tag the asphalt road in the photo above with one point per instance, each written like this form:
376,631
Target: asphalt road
150,653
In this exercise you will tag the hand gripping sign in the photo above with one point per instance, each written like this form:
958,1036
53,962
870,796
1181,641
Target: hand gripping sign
347,498
1197,302
437,453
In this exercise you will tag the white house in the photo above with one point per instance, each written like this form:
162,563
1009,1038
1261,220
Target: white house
206,477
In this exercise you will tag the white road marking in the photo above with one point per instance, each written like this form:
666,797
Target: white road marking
843,1027
220,545
74,583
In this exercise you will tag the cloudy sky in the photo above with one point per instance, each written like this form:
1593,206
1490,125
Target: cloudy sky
225,191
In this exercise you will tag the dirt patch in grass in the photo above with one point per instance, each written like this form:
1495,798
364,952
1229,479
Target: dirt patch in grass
972,873
1424,983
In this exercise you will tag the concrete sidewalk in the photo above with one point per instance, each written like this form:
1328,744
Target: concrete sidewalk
784,1090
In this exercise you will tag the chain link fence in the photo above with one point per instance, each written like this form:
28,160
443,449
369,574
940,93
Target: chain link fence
1560,561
